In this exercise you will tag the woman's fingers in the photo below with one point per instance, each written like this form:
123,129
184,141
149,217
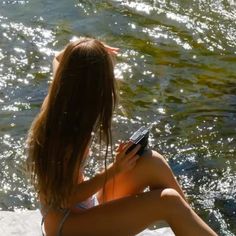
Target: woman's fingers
110,49
132,161
126,161
128,145
120,147
133,151
124,147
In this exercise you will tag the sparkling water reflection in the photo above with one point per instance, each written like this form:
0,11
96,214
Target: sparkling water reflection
176,69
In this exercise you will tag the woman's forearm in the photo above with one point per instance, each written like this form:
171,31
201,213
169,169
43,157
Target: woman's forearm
89,187
55,65
123,162
56,61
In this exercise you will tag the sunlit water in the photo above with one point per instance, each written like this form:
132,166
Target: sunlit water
177,63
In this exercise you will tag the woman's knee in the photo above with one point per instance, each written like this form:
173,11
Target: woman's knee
170,195
174,203
153,163
153,157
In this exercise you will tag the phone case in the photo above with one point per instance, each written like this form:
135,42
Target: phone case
139,137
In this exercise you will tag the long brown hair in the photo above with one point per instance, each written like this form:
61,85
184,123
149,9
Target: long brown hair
81,99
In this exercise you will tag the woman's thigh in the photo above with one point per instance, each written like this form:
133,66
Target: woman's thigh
123,217
130,215
151,170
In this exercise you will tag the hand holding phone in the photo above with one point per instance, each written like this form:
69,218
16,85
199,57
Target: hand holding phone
139,137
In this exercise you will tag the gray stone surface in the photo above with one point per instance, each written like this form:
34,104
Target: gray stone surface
27,223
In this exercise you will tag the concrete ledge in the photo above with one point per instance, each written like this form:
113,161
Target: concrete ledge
27,223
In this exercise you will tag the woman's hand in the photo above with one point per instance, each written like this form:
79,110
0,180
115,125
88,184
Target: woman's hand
57,60
111,50
125,161
58,55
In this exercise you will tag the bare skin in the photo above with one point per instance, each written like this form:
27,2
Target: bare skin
151,171
125,210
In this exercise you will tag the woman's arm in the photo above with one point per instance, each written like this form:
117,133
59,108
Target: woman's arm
89,187
55,64
56,61
123,162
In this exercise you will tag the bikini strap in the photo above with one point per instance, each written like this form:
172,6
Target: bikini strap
43,219
66,214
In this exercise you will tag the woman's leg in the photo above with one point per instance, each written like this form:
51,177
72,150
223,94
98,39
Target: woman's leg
130,215
151,170
127,216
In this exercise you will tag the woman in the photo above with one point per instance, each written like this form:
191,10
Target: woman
81,101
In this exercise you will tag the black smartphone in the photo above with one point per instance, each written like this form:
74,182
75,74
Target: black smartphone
139,137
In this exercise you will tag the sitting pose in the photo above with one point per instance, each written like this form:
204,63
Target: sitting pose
80,102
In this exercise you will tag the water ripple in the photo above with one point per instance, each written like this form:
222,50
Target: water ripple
176,71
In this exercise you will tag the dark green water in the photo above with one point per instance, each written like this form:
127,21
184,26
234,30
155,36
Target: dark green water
178,65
